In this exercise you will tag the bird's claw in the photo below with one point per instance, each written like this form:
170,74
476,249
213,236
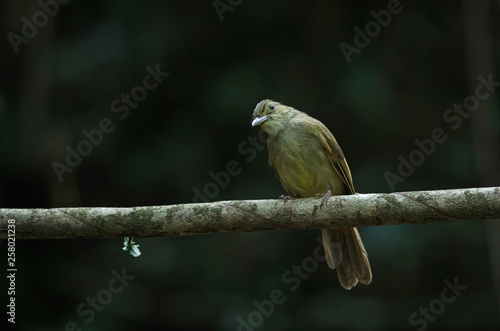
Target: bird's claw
325,196
285,197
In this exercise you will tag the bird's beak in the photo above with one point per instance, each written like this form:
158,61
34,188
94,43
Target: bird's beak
259,120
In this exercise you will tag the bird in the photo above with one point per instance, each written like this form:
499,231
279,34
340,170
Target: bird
309,162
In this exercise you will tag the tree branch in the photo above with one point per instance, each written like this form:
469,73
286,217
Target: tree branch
254,215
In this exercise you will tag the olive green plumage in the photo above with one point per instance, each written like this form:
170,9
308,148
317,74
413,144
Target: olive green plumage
308,161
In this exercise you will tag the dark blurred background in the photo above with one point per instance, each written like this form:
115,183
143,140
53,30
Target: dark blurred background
65,78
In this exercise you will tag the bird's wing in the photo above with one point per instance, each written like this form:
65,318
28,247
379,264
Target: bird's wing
336,157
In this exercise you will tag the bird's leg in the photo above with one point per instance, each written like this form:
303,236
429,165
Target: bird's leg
325,196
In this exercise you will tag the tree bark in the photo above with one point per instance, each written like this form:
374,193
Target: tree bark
253,215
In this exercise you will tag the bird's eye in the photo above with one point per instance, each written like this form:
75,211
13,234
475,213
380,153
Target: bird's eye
271,107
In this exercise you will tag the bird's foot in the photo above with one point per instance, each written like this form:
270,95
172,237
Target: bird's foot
285,197
325,196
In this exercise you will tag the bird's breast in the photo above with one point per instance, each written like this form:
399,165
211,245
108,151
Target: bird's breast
301,164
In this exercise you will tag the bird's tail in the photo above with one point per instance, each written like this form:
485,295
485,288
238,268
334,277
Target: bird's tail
345,252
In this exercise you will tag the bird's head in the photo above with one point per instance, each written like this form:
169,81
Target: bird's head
272,116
